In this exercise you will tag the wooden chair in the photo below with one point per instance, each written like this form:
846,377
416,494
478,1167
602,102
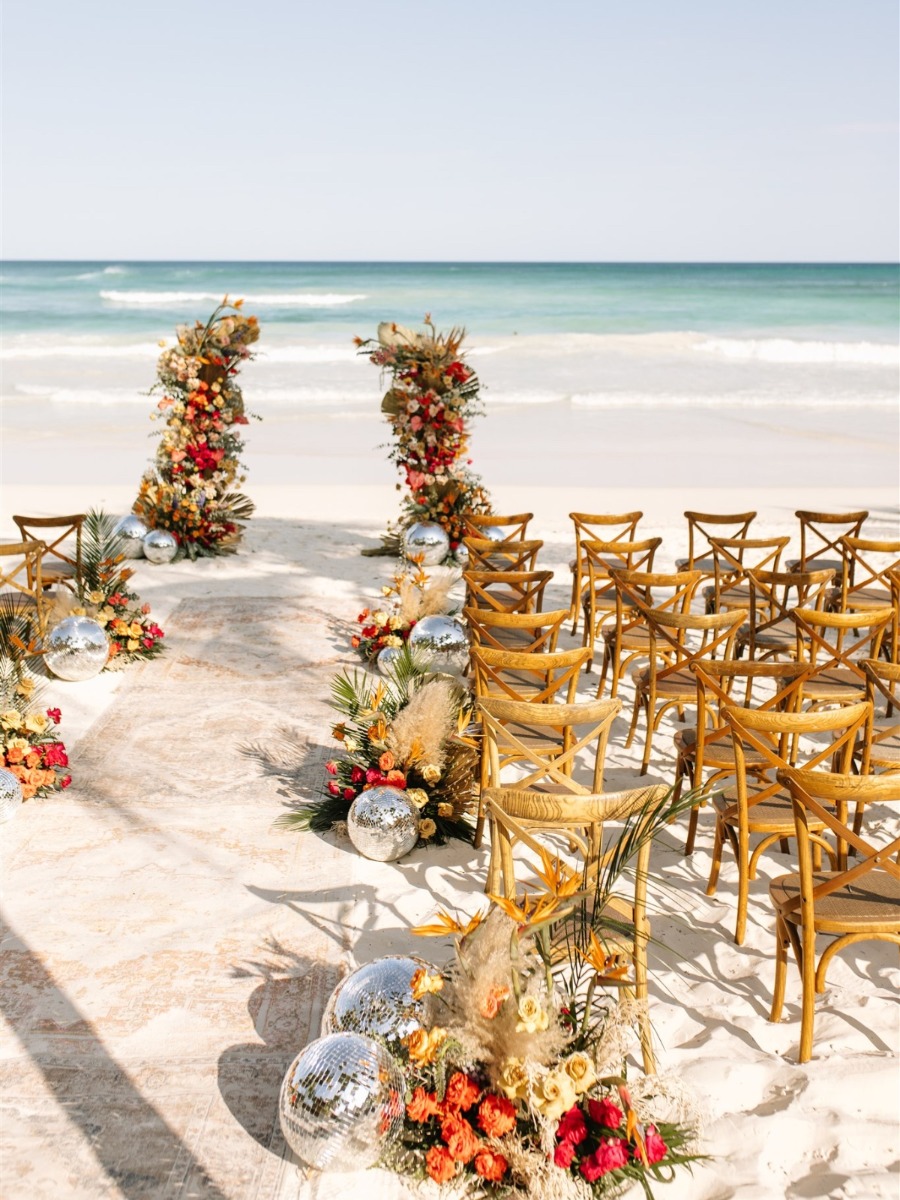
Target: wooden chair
599,597
765,811
774,595
731,572
659,688
881,751
708,745
58,565
592,527
21,577
702,527
502,529
514,555
506,591
820,539
865,582
891,646
521,817
527,633
629,639
854,903
838,676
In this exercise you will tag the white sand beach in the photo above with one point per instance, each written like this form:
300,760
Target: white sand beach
168,952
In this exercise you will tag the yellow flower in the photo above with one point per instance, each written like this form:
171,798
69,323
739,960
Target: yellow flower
18,743
422,983
136,629
35,722
393,640
581,1071
25,687
396,622
132,644
422,1044
532,1018
11,719
445,924
380,618
555,1094
431,773
513,1081
96,597
418,796
444,809
427,829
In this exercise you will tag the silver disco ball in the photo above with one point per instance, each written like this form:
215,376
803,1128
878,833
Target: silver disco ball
429,544
11,798
441,643
387,656
132,530
383,823
160,546
76,649
494,533
461,554
342,1103
377,1001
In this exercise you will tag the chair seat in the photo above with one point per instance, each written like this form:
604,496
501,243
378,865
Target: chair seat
867,597
885,750
706,565
871,902
836,684
782,635
680,685
57,569
815,564
634,639
716,753
733,597
771,815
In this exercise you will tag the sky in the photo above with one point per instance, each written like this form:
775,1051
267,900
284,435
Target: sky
578,130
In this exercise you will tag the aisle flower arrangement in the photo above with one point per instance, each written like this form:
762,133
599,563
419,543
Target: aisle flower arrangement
433,395
411,596
189,490
406,732
29,745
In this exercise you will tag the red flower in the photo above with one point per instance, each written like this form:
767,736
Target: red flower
490,1165
572,1128
496,1115
462,1091
460,1138
357,775
440,1165
55,715
65,781
349,793
611,1154
373,775
55,755
334,788
654,1147
331,767
563,1155
605,1112
423,1106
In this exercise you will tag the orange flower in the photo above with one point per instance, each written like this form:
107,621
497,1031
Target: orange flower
422,1106
422,1045
397,778
28,790
496,1115
462,1091
20,773
32,759
460,1138
440,1165
422,983
387,761
15,755
490,1165
490,1005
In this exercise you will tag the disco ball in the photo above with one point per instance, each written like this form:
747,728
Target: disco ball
160,546
494,533
342,1103
11,798
383,823
376,1000
441,643
462,556
427,543
387,656
131,530
76,649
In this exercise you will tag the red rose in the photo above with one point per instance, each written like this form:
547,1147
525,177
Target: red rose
334,788
490,1165
349,793
462,1091
611,1154
65,781
373,775
357,775
563,1154
440,1165
496,1115
605,1112
55,715
654,1147
460,1138
331,767
572,1127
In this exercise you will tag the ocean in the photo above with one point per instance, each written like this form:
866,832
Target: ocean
792,342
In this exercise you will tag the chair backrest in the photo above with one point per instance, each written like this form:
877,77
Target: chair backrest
526,632
648,587
599,558
770,594
702,527
604,527
512,555
507,591
535,678
867,566
735,558
38,528
22,573
511,528
716,680
812,638
668,635
882,683
571,728
821,533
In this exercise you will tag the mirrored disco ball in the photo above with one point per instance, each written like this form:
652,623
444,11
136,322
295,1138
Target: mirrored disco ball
160,546
427,543
11,797
494,533
377,1000
461,554
441,643
132,530
341,1103
76,649
386,658
383,823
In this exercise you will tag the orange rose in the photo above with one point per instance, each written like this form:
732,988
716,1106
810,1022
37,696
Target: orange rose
440,1165
386,762
490,1165
33,758
462,1092
490,1005
460,1138
15,754
20,773
422,1106
28,790
496,1115
397,778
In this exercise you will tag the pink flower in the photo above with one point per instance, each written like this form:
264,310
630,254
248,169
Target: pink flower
563,1154
331,767
571,1127
357,775
654,1146
611,1154
55,715
65,781
334,788
605,1112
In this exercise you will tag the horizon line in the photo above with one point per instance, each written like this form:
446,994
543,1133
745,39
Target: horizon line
476,262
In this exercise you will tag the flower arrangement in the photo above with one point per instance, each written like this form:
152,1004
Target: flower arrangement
29,747
412,595
432,397
189,490
406,732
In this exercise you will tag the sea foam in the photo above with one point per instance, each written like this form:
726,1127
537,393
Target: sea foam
286,299
788,350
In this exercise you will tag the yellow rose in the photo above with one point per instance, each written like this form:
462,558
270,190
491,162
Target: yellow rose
418,796
513,1081
136,629
35,722
445,809
555,1094
11,719
532,1018
25,687
581,1071
380,618
132,644
427,829
18,743
96,597
431,773
393,640
396,622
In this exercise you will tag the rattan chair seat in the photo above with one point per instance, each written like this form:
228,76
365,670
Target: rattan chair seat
782,635
815,564
836,684
873,902
714,753
865,597
734,597
632,639
705,565
768,816
679,683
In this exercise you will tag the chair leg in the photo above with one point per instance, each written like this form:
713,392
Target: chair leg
716,864
743,887
634,720
781,956
808,1003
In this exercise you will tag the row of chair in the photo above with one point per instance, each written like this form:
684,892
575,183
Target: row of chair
48,554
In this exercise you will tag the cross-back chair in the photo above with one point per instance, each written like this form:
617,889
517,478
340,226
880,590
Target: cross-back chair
764,810
496,528
774,595
858,902
838,677
506,591
881,751
628,639
592,527
527,633
707,745
514,555
21,578
702,527
599,598
731,584
891,646
865,582
61,563
661,685
820,539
